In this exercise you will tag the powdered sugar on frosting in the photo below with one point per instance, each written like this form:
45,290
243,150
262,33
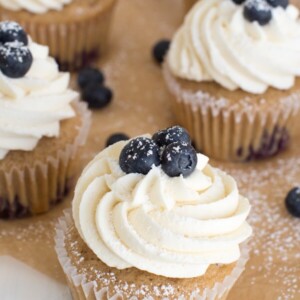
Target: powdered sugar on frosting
33,106
175,227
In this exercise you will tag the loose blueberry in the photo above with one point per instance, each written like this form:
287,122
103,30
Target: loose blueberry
258,10
276,3
171,135
97,96
15,59
139,156
292,202
179,159
238,1
89,76
116,137
160,50
12,32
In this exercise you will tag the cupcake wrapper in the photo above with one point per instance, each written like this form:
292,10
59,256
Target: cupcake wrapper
83,290
239,132
74,44
32,189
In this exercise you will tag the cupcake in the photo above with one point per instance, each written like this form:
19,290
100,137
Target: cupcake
41,126
233,70
75,30
153,220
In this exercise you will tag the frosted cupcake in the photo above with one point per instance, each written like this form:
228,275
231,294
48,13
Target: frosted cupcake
153,220
233,70
41,126
75,30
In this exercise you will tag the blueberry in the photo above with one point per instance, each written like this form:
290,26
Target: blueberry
171,135
292,202
179,159
139,156
88,76
15,59
97,96
12,32
258,10
238,1
160,49
116,137
276,3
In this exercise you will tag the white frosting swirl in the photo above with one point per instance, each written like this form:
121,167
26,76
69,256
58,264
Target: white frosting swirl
34,6
174,227
217,43
33,106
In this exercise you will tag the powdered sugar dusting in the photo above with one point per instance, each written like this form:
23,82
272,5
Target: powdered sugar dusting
276,236
260,5
12,27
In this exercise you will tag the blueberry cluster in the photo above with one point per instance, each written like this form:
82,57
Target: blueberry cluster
260,10
91,82
171,148
15,56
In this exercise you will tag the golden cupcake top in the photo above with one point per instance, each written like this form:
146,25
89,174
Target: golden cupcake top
251,45
157,205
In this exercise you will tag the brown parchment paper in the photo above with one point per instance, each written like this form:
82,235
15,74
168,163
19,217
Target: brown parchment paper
141,104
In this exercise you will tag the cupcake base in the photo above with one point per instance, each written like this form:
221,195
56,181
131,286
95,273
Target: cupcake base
32,181
234,126
76,35
89,278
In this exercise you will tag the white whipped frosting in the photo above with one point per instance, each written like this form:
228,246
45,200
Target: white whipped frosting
217,43
174,227
33,106
34,6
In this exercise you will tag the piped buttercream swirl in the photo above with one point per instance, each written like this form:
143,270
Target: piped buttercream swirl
216,43
34,6
33,106
174,227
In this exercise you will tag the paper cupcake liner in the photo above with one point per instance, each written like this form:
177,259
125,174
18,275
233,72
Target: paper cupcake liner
73,43
33,188
238,132
82,289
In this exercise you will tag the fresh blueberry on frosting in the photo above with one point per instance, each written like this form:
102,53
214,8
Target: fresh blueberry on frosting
171,135
292,202
170,149
179,159
139,156
15,59
277,3
12,32
258,10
